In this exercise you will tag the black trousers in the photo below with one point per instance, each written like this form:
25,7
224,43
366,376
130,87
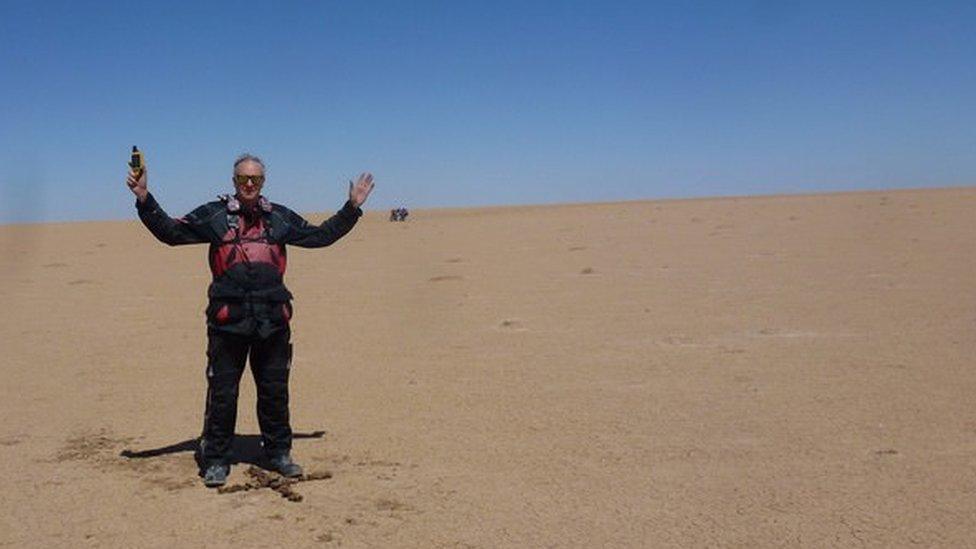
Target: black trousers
270,365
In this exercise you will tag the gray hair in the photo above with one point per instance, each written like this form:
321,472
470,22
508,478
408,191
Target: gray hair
248,157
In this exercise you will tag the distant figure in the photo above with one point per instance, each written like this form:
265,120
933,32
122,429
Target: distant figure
250,308
399,214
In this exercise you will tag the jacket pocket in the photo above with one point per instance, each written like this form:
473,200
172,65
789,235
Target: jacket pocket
221,312
281,312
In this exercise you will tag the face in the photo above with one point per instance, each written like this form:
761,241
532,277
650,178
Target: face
250,189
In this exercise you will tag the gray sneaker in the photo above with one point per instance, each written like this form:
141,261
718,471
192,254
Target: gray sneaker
283,464
216,475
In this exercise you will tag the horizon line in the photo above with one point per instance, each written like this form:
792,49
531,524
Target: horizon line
799,194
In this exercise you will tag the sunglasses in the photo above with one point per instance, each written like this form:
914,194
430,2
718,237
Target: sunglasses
242,179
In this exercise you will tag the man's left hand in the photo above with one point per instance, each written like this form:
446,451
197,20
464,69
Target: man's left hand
359,191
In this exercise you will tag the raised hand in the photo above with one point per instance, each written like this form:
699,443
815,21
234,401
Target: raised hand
359,191
138,184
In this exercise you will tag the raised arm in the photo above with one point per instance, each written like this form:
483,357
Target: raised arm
305,235
190,229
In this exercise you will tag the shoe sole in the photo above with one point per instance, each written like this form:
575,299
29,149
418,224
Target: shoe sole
293,475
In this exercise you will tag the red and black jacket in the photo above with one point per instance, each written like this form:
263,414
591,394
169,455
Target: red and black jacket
247,255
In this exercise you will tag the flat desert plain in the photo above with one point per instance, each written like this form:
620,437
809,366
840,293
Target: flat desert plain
764,371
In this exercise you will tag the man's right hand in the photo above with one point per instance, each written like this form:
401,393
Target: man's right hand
138,185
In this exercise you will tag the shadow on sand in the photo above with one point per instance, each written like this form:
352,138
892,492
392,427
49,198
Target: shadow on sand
247,449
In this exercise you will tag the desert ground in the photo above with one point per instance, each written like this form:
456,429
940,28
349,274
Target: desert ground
755,371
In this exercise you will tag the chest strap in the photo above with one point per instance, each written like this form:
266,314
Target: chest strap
234,213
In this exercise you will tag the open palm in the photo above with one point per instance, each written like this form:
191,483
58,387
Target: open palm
359,191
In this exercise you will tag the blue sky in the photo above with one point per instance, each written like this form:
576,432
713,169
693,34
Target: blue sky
475,103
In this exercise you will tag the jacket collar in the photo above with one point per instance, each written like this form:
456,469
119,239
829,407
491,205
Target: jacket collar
234,205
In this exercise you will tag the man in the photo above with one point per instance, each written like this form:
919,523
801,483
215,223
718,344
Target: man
250,308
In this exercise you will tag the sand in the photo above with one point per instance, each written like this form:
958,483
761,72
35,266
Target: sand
766,371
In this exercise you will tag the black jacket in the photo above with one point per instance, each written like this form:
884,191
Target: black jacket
247,255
